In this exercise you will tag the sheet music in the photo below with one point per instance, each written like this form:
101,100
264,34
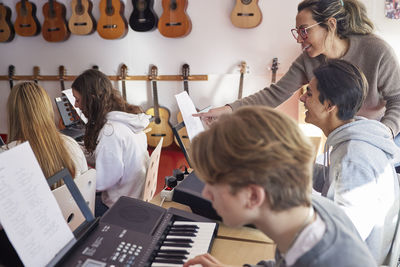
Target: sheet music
193,125
71,99
29,213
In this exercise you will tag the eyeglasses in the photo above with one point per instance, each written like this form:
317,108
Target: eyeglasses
302,31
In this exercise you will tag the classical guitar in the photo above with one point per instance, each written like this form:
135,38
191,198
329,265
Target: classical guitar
124,71
55,25
274,69
81,21
26,23
112,23
7,32
246,14
143,17
36,73
243,67
182,132
160,125
174,21
11,73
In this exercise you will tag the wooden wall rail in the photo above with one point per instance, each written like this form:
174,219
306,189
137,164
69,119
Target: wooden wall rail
113,78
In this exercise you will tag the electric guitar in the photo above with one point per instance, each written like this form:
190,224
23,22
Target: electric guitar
11,73
26,23
124,71
246,14
82,21
160,125
183,132
243,67
36,73
274,69
112,23
55,25
174,21
143,17
7,32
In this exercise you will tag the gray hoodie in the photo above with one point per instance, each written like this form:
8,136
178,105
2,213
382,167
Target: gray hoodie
360,177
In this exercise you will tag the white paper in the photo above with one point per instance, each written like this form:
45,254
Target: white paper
71,99
194,126
29,213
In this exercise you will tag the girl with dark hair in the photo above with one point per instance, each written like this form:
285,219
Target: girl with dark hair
336,29
114,134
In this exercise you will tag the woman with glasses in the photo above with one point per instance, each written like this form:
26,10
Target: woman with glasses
336,29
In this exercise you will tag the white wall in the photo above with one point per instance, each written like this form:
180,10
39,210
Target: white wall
214,47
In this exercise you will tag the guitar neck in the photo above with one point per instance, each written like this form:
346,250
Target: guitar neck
273,78
62,84
186,85
123,89
156,106
240,94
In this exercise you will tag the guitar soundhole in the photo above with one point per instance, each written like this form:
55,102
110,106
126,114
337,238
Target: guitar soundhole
109,11
157,120
173,5
141,5
246,2
79,9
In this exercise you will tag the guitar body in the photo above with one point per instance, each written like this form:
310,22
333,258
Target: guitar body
246,14
81,21
26,23
143,17
6,28
161,129
54,25
112,23
174,21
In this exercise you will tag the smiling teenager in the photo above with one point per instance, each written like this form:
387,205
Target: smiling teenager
336,29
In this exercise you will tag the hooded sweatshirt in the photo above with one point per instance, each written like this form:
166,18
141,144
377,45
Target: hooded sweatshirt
121,156
360,177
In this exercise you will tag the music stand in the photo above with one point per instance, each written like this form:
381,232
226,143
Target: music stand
175,130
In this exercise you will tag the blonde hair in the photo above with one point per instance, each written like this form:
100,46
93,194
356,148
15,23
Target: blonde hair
31,118
351,15
257,145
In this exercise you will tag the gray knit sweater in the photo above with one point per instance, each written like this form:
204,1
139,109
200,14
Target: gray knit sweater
375,58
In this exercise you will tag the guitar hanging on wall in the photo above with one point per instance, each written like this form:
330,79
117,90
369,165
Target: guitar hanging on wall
55,25
174,21
143,17
7,32
246,14
11,73
243,68
183,132
112,24
124,72
26,23
82,21
274,69
160,125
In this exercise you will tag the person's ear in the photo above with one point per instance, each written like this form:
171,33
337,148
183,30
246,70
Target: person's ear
256,196
329,107
332,24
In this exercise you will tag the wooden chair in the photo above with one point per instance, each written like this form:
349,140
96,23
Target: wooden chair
152,173
86,184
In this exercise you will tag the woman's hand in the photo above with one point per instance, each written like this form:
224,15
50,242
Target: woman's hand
212,115
205,260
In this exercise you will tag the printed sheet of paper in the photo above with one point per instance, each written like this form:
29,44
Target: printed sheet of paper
29,213
193,125
71,99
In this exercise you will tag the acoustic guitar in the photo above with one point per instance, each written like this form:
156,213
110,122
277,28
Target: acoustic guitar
26,23
124,71
174,21
55,25
246,14
36,73
274,69
82,21
112,23
183,132
7,32
243,67
160,125
11,73
143,17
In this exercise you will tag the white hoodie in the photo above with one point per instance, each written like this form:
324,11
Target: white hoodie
121,156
